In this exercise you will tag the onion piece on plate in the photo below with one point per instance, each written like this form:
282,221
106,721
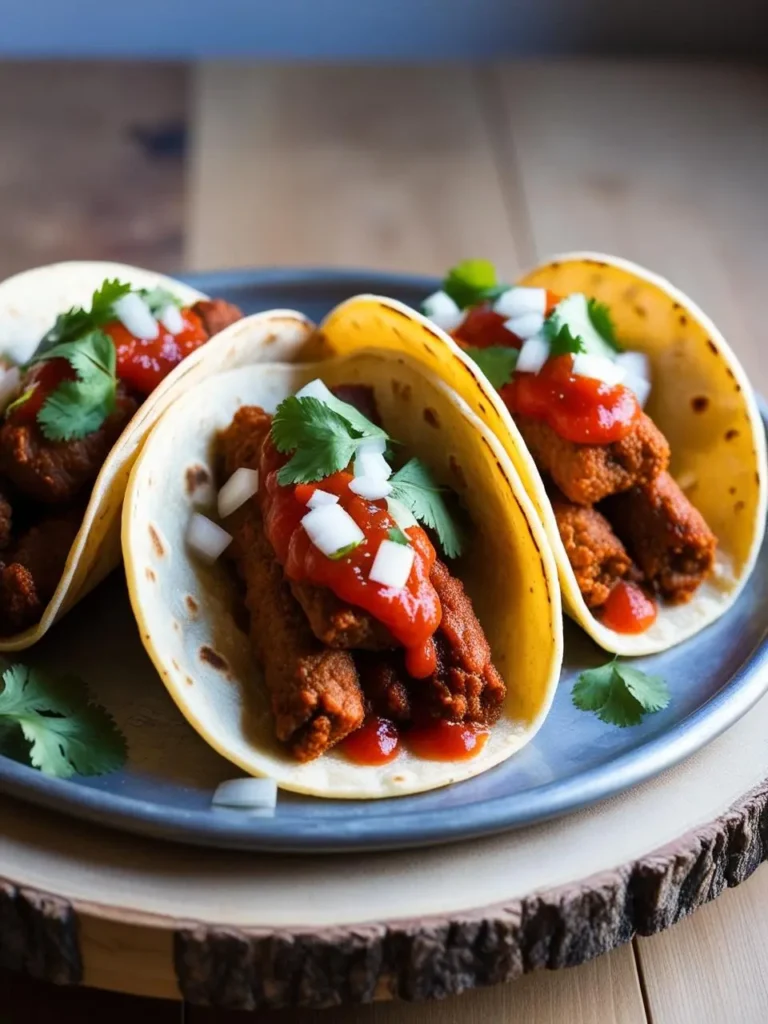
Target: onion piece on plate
246,794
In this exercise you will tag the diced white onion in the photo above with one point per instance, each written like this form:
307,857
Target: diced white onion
316,389
373,444
371,487
135,315
371,464
392,564
526,326
171,319
241,486
442,310
9,386
518,301
597,368
402,515
635,364
533,355
320,497
332,529
206,538
640,386
246,794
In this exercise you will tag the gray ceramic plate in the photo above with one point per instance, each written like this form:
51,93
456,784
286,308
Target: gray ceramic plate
575,760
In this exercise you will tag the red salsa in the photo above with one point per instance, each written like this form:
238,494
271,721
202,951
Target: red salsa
628,609
377,741
482,328
143,364
411,614
39,383
579,409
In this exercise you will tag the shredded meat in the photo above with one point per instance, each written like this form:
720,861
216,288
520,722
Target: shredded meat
217,314
597,556
466,686
32,570
587,473
53,472
667,536
385,684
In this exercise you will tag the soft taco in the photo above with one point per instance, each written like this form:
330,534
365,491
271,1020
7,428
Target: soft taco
632,423
360,601
90,355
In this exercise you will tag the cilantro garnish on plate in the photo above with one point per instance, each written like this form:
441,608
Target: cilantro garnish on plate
78,407
619,694
497,362
54,725
471,282
324,436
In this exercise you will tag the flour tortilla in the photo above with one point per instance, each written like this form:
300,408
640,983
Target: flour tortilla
701,399
29,305
191,616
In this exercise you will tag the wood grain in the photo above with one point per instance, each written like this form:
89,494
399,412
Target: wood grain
92,163
370,167
606,990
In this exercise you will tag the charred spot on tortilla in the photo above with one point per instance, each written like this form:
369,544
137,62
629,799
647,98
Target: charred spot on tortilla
431,417
176,664
149,572
400,389
457,471
713,348
641,311
196,476
682,320
214,659
192,606
731,490
700,403
731,434
157,544
189,681
481,407
739,506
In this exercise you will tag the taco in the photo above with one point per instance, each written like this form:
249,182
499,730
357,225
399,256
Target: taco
636,431
367,607
90,356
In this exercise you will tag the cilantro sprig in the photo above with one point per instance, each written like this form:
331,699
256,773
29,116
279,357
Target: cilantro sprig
602,321
497,362
78,321
323,437
78,407
416,488
561,341
471,282
619,694
54,725
159,299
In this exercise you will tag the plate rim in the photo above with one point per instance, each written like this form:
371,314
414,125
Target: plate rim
294,834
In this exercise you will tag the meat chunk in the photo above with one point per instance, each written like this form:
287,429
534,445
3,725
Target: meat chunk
666,535
32,570
597,556
466,686
338,624
217,314
587,473
314,690
53,472
385,684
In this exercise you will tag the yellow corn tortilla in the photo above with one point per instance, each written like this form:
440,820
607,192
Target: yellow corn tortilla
701,399
191,616
29,305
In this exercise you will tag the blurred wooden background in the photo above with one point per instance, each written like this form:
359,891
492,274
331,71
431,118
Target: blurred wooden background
413,168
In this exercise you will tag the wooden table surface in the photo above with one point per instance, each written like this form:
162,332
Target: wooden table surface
413,169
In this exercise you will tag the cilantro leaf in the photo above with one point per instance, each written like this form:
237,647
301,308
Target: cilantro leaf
78,321
415,487
561,341
78,407
600,315
322,440
159,299
497,362
397,535
65,732
472,282
619,694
